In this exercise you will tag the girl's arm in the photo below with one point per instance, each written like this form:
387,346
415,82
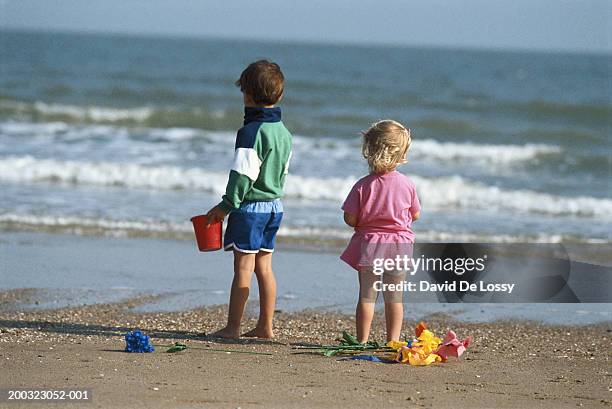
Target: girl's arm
415,208
351,206
350,219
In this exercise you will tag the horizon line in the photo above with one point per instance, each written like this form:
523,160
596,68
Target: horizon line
181,36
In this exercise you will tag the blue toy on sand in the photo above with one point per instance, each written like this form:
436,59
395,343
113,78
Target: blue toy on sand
136,341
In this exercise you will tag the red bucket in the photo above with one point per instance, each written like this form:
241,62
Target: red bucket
208,236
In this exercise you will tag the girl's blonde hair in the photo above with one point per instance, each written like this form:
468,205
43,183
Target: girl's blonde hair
385,145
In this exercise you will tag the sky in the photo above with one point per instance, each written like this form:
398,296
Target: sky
567,25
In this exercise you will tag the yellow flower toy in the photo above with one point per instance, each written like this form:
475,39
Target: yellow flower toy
420,352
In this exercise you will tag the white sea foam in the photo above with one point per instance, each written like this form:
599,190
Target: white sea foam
29,169
457,192
91,113
176,134
184,230
504,154
14,128
433,150
95,113
436,193
433,236
84,223
338,149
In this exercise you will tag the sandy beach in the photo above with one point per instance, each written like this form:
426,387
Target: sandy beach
112,137
509,365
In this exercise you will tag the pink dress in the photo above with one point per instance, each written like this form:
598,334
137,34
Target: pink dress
384,205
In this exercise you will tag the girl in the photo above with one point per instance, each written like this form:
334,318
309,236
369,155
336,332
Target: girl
381,207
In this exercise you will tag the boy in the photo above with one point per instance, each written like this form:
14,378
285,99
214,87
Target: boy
252,196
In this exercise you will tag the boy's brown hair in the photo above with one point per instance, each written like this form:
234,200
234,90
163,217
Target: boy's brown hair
263,80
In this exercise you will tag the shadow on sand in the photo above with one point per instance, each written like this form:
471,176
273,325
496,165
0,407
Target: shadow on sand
110,331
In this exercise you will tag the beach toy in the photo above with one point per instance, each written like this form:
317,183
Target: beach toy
422,351
371,358
137,341
427,348
208,236
451,346
420,328
177,347
348,345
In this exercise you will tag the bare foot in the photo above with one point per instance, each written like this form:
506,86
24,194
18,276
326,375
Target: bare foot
226,333
259,333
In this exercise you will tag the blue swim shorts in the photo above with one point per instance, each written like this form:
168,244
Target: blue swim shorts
252,228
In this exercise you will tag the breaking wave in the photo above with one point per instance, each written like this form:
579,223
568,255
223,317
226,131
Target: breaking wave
422,149
436,193
328,237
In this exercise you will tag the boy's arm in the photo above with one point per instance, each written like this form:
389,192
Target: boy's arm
244,173
214,215
237,187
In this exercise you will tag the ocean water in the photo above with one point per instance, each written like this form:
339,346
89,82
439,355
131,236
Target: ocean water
132,136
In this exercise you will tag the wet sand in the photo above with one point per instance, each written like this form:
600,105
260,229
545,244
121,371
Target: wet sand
509,365
68,270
